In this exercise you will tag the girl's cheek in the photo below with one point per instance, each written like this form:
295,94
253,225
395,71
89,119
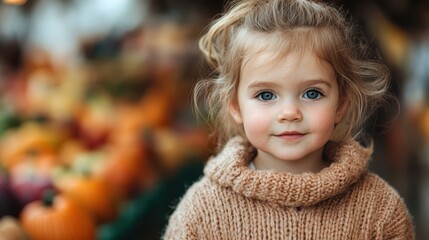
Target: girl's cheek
257,122
323,120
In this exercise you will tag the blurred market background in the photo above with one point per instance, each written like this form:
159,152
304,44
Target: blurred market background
95,107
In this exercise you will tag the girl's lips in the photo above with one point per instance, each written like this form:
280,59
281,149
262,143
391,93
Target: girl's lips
290,135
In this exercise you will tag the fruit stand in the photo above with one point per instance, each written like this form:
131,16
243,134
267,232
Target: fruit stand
102,147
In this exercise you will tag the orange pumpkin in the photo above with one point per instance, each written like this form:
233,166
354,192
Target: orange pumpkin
91,193
57,217
127,169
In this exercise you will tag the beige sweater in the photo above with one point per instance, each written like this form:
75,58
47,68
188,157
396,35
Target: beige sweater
343,201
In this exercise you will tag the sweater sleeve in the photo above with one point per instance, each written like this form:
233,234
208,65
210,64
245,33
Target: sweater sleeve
184,220
399,225
179,227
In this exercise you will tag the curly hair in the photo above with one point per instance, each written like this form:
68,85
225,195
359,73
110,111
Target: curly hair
290,25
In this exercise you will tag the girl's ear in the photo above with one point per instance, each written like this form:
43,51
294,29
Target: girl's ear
234,110
341,110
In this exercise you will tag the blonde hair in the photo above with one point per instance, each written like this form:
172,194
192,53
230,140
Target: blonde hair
289,25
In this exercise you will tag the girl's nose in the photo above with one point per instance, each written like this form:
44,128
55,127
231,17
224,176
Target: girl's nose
290,113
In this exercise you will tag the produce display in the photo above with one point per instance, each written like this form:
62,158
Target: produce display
93,150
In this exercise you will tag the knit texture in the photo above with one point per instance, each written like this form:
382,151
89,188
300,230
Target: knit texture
343,201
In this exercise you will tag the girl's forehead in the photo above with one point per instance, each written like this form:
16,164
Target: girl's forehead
279,44
271,47
306,65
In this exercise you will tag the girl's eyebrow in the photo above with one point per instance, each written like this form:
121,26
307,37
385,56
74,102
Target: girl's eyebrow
310,82
317,81
262,85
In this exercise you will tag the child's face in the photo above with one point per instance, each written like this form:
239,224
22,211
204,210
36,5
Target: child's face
288,107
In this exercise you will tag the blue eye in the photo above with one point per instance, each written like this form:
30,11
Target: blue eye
266,96
312,94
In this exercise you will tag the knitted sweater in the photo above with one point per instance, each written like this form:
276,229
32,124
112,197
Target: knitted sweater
343,201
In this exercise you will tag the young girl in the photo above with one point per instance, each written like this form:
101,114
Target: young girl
292,91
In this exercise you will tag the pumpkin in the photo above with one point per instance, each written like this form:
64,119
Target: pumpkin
57,217
91,193
127,169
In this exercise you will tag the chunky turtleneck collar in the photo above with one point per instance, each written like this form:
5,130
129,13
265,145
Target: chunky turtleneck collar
230,169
